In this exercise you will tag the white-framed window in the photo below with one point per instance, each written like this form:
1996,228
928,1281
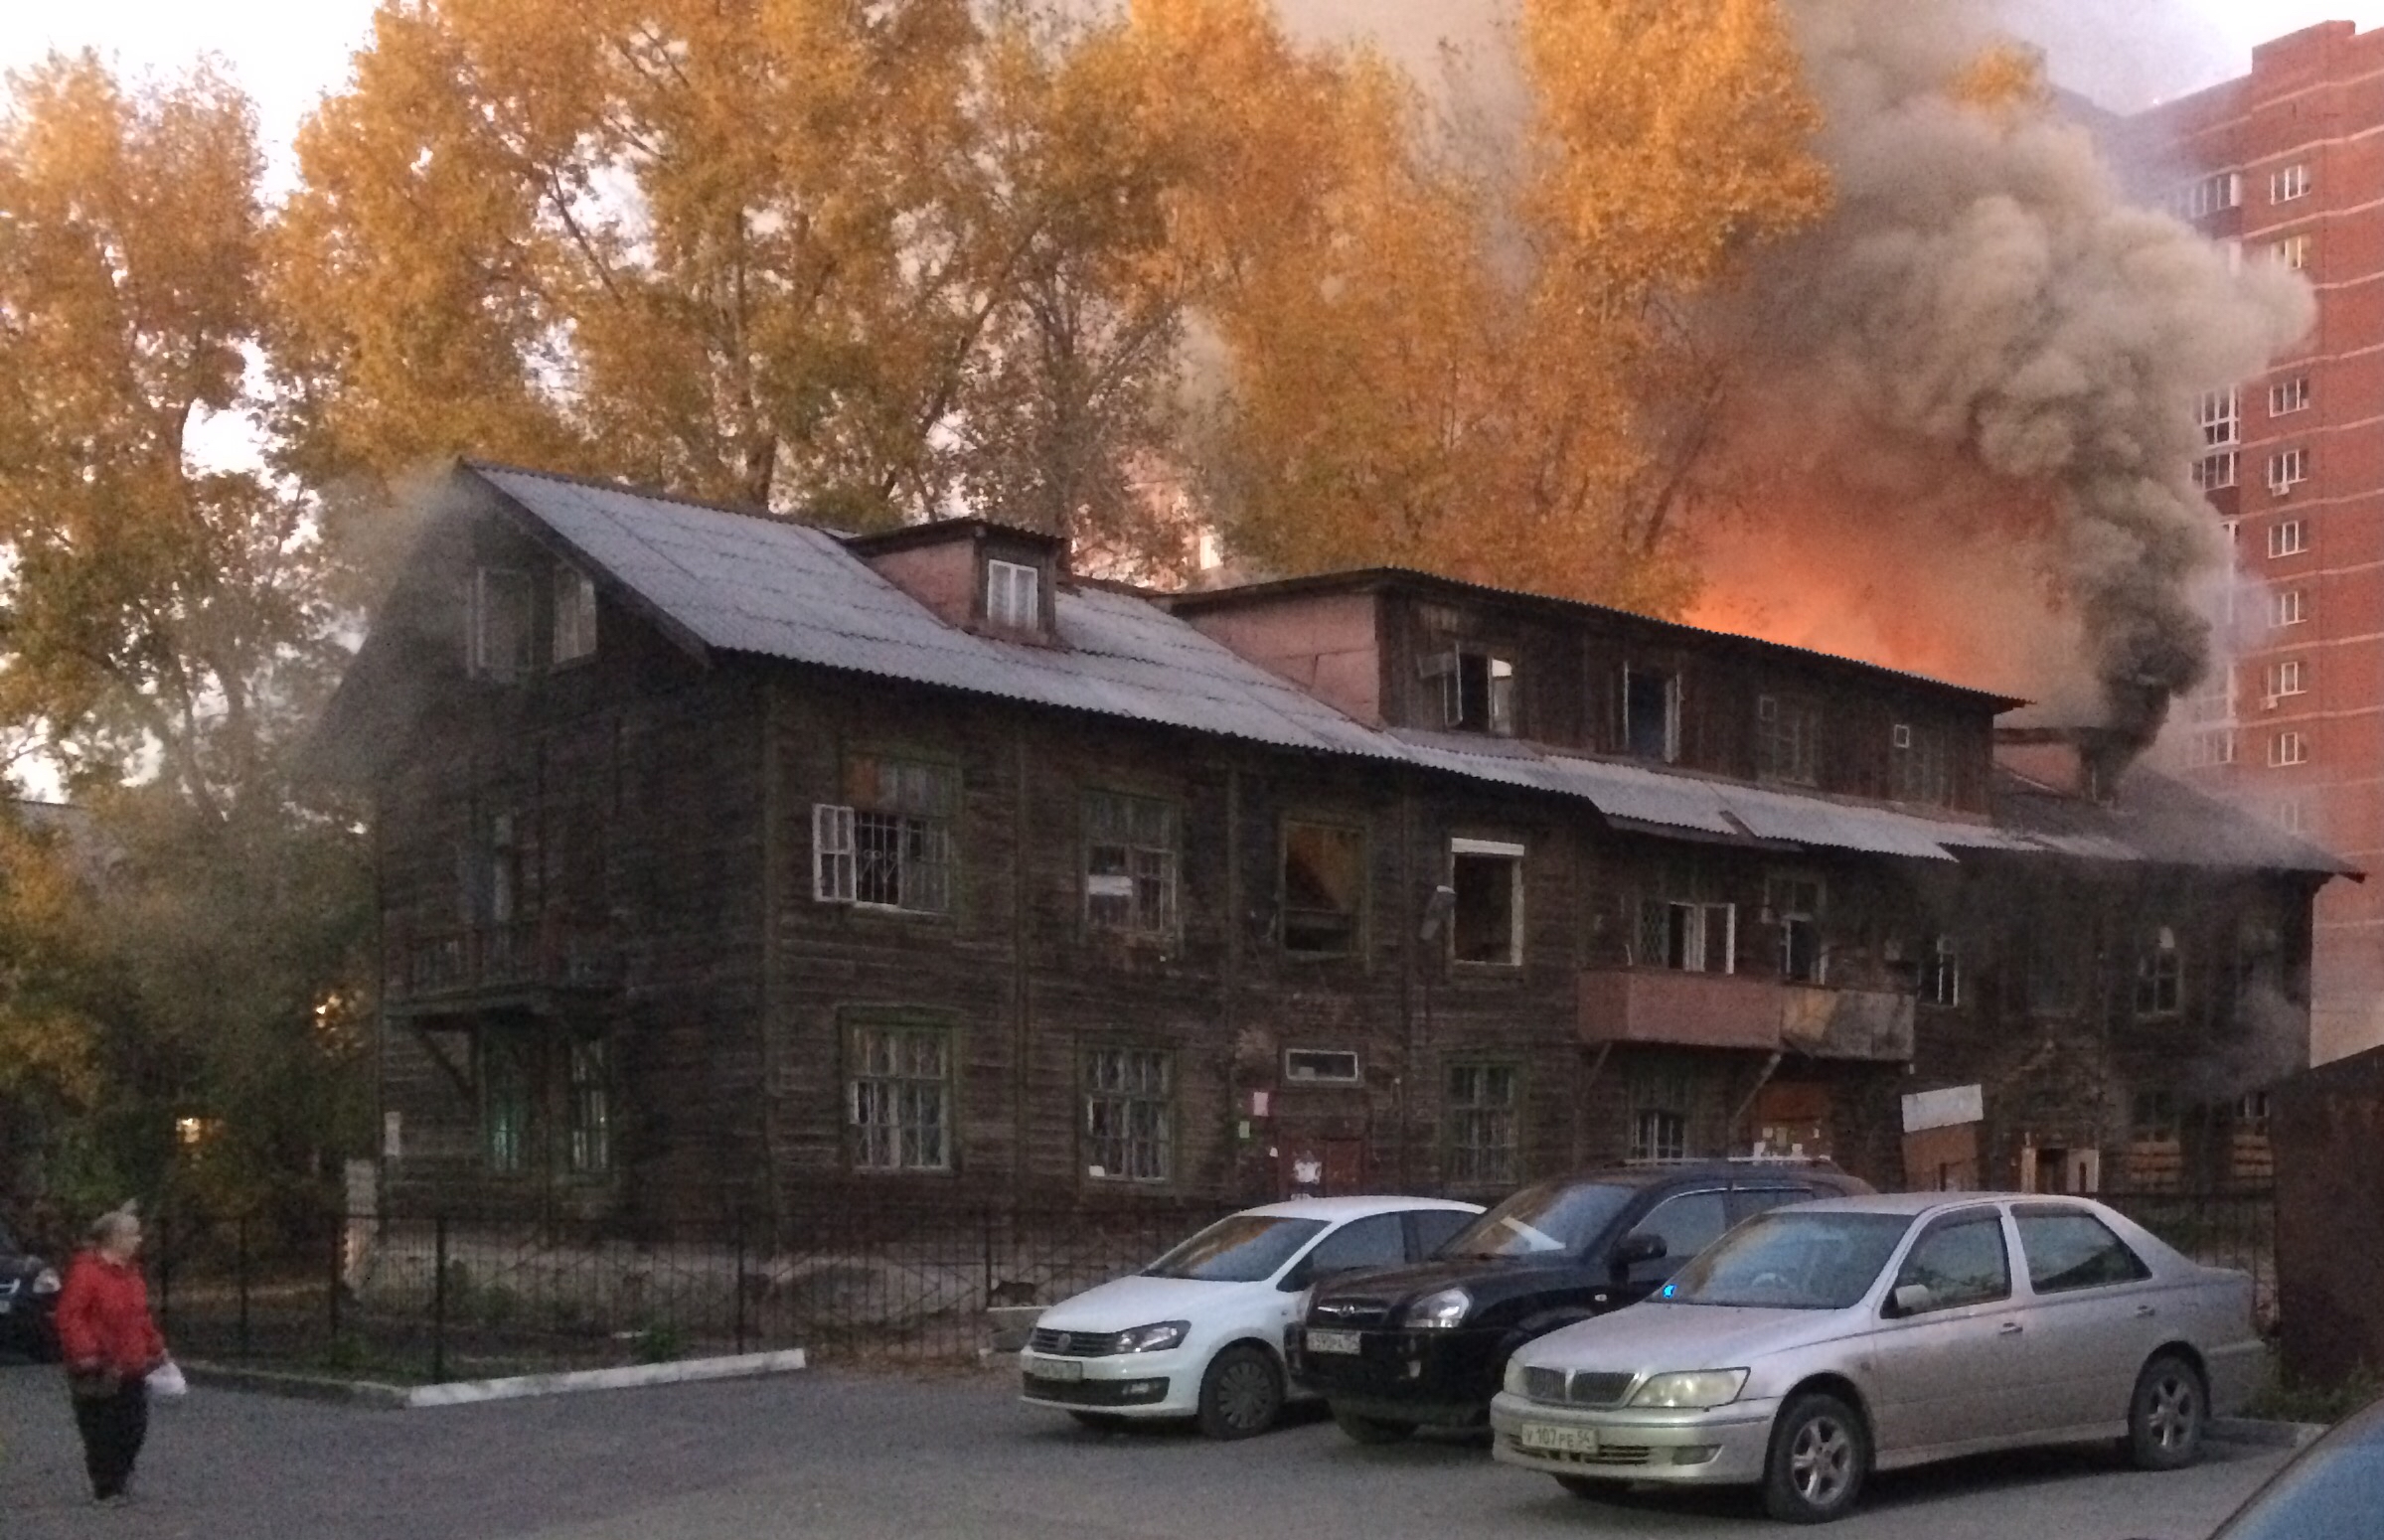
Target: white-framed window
1130,861
2287,396
2208,194
2213,471
2289,677
1013,595
2214,702
2287,748
2292,253
2221,417
891,845
1322,1067
1481,1121
2288,607
2287,183
1652,714
1687,936
2159,976
2288,469
1787,740
1129,1114
1941,973
1796,903
500,631
1487,924
899,1095
2291,815
2212,746
2287,537
1476,689
574,614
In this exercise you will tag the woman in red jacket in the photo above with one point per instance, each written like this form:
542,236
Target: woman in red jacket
110,1345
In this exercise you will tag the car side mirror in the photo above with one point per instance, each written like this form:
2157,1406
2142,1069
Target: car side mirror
1911,1300
1640,1246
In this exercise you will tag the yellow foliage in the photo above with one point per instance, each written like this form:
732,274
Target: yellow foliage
2006,78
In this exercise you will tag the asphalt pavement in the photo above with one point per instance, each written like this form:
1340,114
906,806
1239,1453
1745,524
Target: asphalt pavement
821,1453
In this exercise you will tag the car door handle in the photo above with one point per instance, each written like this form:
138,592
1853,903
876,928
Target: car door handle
2146,1312
2009,1329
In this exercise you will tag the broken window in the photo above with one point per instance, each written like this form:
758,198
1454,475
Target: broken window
1129,1114
1486,925
1481,1123
1324,886
2159,976
1476,689
1129,864
500,625
1651,715
1796,908
901,1096
1787,740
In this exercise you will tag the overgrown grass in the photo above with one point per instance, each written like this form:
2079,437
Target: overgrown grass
2301,1401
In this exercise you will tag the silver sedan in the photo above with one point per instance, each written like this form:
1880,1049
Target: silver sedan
1815,1344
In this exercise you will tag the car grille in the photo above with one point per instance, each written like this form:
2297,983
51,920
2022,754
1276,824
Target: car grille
1606,1455
1589,1387
1350,1313
1072,1344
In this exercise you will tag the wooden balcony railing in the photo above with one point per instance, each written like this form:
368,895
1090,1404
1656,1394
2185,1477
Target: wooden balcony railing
538,953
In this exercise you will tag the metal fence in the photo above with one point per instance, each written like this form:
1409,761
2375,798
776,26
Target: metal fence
2232,1228
456,1295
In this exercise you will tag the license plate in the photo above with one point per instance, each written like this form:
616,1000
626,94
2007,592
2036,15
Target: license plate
1332,1341
1558,1441
1055,1368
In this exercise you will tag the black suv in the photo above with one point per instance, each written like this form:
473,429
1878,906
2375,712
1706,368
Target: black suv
1398,1347
28,1302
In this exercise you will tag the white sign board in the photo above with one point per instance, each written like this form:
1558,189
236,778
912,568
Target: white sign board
1943,1109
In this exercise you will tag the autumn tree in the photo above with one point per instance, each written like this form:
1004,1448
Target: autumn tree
1478,354
164,634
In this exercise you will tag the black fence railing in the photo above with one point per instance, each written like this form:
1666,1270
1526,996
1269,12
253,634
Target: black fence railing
2232,1228
457,1296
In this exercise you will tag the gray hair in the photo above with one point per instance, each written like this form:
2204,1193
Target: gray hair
113,1224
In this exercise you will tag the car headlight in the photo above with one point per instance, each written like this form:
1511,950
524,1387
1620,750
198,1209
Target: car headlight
1513,1384
45,1281
1439,1311
1693,1391
1155,1339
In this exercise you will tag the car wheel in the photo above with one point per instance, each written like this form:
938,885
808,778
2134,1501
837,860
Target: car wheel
1241,1394
1819,1457
1596,1489
1099,1422
2169,1414
1371,1429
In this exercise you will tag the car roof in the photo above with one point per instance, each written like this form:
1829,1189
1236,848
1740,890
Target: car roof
1651,1173
1334,1209
1932,1202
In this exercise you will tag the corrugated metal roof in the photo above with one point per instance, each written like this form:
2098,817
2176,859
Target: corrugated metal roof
746,583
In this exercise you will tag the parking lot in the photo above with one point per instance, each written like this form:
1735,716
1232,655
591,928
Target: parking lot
834,1454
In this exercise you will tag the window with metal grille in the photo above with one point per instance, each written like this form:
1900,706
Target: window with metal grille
574,614
1324,888
590,1110
1481,1123
1658,1134
505,1101
1129,864
2159,974
1129,1114
891,846
1013,595
2221,417
900,1096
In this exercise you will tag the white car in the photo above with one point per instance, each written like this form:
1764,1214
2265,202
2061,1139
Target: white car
1199,1332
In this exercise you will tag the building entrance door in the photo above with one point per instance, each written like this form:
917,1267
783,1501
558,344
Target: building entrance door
1314,1166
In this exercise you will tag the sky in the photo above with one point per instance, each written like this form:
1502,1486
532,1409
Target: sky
289,52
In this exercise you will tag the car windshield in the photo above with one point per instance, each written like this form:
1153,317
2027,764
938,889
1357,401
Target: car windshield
2332,1492
1540,1221
1243,1249
1792,1260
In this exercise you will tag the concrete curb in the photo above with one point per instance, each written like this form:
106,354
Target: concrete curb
470,1392
2265,1434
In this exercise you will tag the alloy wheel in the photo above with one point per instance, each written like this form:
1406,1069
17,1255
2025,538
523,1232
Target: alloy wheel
1821,1460
2175,1411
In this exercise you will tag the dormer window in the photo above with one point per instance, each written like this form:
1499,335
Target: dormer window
499,625
574,614
1013,595
1476,689
1652,714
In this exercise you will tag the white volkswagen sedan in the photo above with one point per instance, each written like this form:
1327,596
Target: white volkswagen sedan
1816,1343
1199,1332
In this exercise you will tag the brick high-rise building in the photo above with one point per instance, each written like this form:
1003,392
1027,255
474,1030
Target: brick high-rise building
2288,163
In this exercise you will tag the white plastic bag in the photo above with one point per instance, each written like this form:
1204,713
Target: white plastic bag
166,1382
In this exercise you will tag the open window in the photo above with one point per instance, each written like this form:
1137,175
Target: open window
1796,907
1476,689
1687,936
1323,883
1486,925
1652,714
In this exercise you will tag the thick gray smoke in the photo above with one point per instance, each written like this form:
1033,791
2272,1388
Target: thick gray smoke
1989,342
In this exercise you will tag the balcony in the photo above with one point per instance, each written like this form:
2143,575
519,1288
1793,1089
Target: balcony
498,959
1660,1006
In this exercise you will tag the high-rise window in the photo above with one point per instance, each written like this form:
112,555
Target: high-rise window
2287,748
1795,905
1923,764
2213,747
1651,715
2287,396
2208,194
2288,607
500,625
2159,976
2289,677
1476,689
2213,471
2292,253
2287,537
2288,469
2221,417
2289,183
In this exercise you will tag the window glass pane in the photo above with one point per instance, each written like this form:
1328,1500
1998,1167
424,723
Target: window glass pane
1963,1263
1129,1114
1481,1123
1378,1241
1436,1227
901,1098
2071,1249
1688,1224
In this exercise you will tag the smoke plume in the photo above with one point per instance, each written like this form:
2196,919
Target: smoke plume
1968,432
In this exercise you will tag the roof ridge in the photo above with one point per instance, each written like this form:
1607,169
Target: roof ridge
641,490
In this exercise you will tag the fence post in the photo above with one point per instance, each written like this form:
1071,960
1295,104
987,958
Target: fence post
738,1283
339,1271
438,1300
165,1275
240,1272
985,1224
